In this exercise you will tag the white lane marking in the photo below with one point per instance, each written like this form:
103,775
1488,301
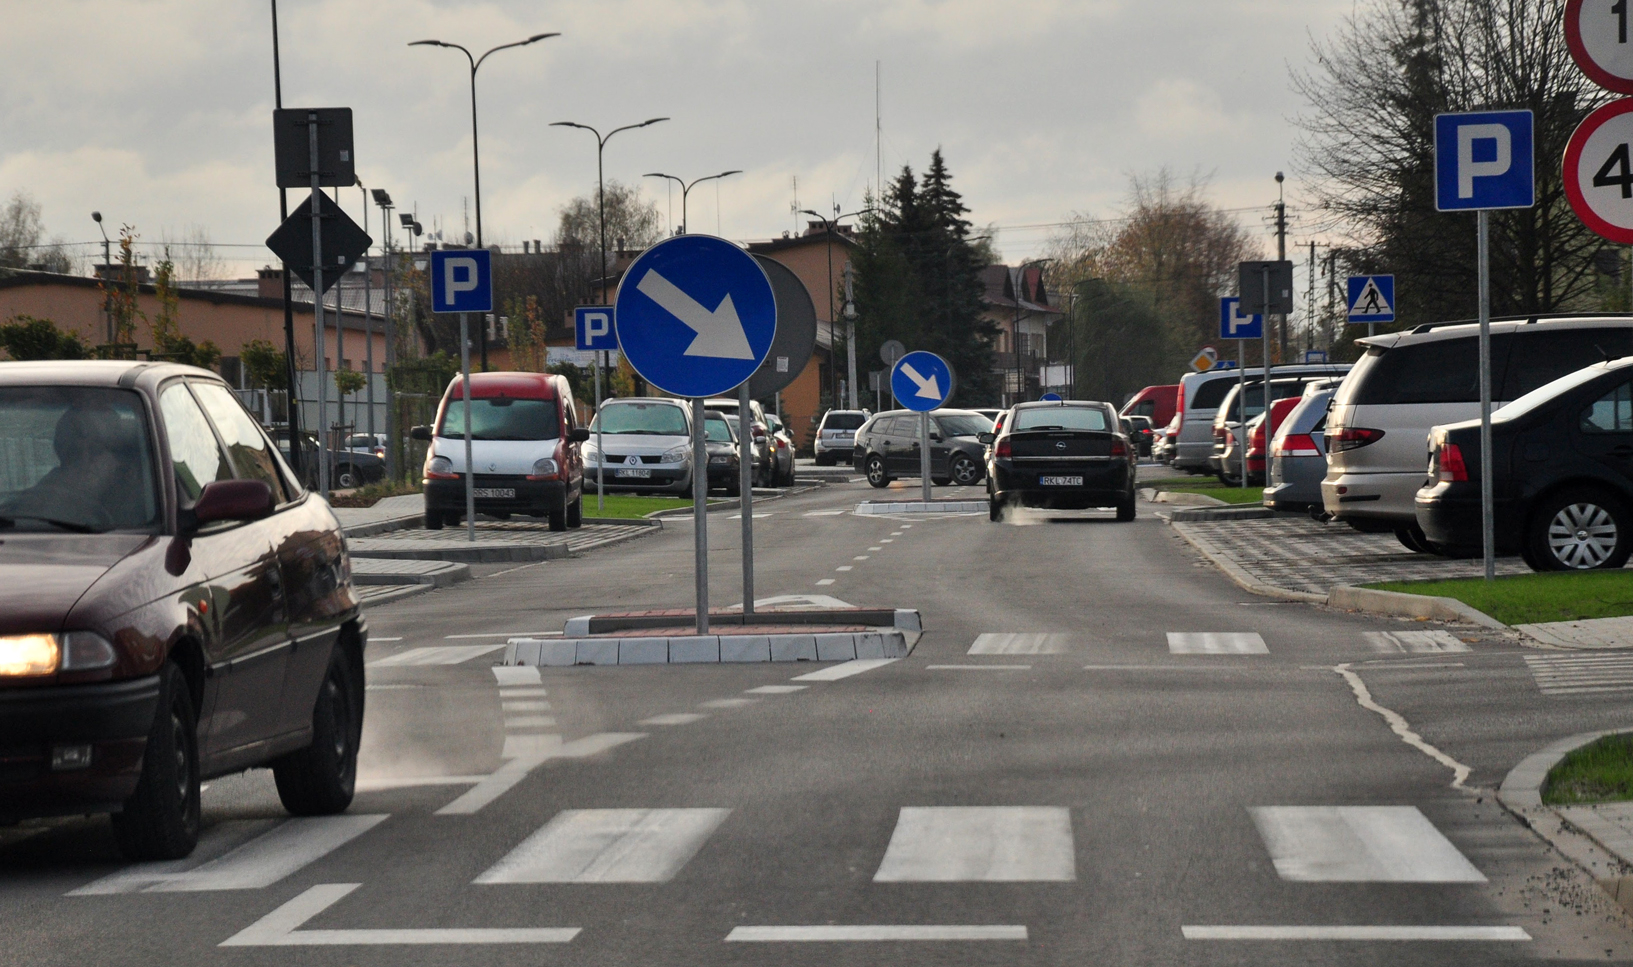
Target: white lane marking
520,746
672,718
887,540
281,928
529,705
521,691
1399,726
824,582
1364,933
907,527
797,602
529,722
261,862
608,846
505,778
1008,844
435,655
876,932
727,703
843,567
860,557
1575,673
1216,643
993,668
1211,669
895,533
1360,844
503,634
374,638
1415,642
410,782
875,548
516,674
1019,644
844,669
823,513
757,515
775,689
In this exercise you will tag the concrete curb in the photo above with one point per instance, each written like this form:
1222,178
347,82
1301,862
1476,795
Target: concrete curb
710,649
875,507
1227,512
1522,787
1233,571
1409,605
403,591
376,571
472,554
608,521
1157,496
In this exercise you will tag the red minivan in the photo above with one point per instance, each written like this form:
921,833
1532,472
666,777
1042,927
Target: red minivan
1156,402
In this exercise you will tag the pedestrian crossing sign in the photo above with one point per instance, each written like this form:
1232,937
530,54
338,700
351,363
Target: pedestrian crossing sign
1372,298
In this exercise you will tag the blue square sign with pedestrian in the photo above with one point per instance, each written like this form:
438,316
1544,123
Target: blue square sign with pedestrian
1234,325
462,280
592,325
1484,160
1371,298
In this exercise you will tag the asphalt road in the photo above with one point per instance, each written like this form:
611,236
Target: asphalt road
1083,789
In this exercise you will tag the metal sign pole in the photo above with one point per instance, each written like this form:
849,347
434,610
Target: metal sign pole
924,452
600,443
700,509
1241,377
745,455
1488,533
317,309
465,393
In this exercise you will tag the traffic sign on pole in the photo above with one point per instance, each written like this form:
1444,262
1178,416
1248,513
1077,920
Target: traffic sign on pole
592,328
462,280
921,381
342,241
1234,325
1597,33
1371,298
796,335
1599,171
695,315
1205,360
1050,398
1484,160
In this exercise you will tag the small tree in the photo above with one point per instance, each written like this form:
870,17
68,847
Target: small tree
165,328
27,337
264,365
347,382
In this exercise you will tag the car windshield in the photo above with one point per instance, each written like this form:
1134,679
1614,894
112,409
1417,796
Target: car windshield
1060,418
844,421
717,430
75,459
503,418
964,424
649,419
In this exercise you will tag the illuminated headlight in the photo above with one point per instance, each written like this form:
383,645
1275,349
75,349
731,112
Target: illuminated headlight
678,454
25,656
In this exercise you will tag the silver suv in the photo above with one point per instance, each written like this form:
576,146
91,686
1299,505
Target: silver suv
836,436
1378,429
1200,397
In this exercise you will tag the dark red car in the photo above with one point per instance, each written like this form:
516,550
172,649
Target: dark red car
173,606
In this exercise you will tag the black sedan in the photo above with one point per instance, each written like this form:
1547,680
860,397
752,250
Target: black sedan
1563,486
1065,455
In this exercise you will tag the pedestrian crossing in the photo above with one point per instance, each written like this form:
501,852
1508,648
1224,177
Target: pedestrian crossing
1216,643
435,655
608,846
1360,844
1415,642
1020,644
1579,673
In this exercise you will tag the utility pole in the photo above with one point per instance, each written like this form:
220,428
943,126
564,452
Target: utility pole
1281,256
1309,321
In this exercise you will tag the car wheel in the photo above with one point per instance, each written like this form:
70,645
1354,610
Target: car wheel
876,472
1412,538
347,477
824,459
965,472
734,486
575,512
1579,530
433,520
160,820
321,778
558,516
942,481
1126,509
995,508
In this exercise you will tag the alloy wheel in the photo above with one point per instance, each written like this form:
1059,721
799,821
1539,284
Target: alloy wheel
1582,535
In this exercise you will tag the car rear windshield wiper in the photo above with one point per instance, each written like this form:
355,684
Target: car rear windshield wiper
67,525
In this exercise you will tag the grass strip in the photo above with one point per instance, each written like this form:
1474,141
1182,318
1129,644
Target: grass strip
633,505
1600,771
1534,598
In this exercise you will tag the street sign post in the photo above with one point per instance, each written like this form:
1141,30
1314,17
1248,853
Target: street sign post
462,282
922,382
1234,325
889,351
696,316
1264,287
1485,160
592,331
1597,33
1371,299
1599,171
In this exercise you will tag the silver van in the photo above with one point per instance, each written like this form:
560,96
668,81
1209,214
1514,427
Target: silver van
1377,432
1202,393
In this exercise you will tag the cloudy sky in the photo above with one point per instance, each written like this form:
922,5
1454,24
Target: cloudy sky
158,112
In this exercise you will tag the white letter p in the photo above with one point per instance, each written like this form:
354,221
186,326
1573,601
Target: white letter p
1468,169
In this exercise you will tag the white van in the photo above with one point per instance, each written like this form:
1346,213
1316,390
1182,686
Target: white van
1378,428
1200,395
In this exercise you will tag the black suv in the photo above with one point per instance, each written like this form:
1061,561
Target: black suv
887,447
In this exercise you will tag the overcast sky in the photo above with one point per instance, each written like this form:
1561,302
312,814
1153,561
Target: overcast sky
158,112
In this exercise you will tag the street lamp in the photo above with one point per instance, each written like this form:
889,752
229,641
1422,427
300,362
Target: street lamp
600,181
382,198
850,324
476,163
686,189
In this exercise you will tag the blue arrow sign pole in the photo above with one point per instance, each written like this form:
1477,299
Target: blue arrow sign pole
922,382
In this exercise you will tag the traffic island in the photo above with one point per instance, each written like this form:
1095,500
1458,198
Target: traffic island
942,506
670,637
498,542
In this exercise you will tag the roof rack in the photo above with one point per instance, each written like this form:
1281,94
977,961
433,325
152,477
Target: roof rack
1531,319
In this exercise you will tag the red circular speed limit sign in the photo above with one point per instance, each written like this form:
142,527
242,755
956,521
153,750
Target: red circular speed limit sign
1600,36
1599,171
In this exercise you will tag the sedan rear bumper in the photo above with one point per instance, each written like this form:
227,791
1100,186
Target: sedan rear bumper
113,719
1104,485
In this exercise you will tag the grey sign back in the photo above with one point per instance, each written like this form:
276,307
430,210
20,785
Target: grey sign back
1250,283
791,348
292,148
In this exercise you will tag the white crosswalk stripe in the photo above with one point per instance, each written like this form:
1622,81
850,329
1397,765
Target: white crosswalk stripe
1009,844
1216,643
1415,642
1019,644
608,846
435,655
1360,844
1578,673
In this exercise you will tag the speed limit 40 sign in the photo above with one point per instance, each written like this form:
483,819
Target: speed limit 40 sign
1599,171
1598,34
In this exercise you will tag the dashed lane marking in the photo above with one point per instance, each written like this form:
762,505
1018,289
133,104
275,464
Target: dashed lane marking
529,722
1576,673
825,582
1415,642
978,668
875,932
503,634
1019,644
775,689
1360,844
1216,643
727,703
1008,844
281,928
823,513
528,705
505,778
516,675
1362,933
608,846
844,567
672,718
435,655
844,669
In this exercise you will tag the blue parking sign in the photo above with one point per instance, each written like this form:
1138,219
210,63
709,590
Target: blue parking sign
1484,160
592,327
462,280
1234,325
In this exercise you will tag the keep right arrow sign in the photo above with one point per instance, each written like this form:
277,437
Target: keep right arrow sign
1599,171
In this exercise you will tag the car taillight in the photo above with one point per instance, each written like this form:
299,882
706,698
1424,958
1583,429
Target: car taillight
1118,447
1297,445
1220,433
1002,451
1450,465
1352,438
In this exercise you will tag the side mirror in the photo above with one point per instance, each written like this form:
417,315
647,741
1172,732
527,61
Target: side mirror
986,438
578,434
421,433
233,500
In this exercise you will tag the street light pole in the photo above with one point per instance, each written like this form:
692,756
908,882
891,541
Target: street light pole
850,324
600,180
383,199
476,158
1020,375
686,189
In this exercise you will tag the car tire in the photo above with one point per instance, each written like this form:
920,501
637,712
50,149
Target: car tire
1128,508
1580,529
995,508
942,481
964,471
1413,539
825,460
558,516
877,477
575,513
347,477
734,486
433,520
320,779
160,820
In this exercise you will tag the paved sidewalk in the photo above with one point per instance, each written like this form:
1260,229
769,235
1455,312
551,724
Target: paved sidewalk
387,514
1587,633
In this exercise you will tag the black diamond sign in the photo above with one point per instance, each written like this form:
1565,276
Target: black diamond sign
343,241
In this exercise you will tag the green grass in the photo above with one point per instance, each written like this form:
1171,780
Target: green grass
1211,487
632,505
1530,598
1601,771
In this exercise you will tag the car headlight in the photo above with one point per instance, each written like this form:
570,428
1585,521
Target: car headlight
439,467
679,454
26,656
723,459
543,467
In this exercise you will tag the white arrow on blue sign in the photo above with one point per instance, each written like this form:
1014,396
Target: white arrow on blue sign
1234,325
1371,298
921,381
695,315
462,280
592,328
1484,160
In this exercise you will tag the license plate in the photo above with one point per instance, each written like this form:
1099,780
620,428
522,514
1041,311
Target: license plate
1060,481
495,493
640,472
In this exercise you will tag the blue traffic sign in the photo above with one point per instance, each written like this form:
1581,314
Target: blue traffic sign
462,280
1484,160
1050,398
592,327
695,315
921,381
1371,298
1234,325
